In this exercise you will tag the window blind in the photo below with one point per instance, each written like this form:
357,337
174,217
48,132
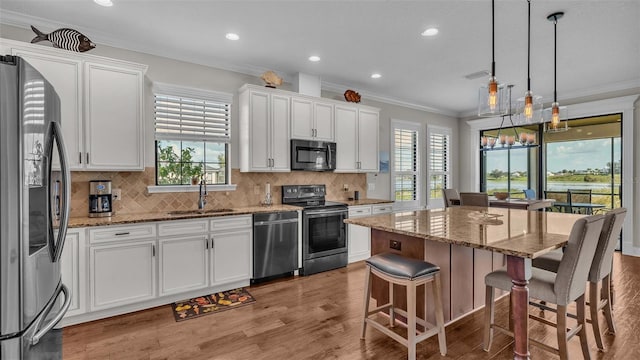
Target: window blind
184,118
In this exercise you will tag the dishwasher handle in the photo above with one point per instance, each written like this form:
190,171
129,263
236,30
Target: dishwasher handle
275,222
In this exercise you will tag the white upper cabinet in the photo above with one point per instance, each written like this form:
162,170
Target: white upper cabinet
356,139
65,74
101,101
113,117
311,120
264,130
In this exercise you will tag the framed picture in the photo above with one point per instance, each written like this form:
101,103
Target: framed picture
384,161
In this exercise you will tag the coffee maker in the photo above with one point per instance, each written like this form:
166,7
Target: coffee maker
100,198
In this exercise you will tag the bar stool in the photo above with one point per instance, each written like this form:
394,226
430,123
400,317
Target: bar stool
411,273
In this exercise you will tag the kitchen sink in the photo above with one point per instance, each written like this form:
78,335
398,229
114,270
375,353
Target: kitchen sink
198,211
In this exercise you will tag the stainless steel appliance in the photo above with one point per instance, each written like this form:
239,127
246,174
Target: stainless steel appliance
100,198
313,155
275,244
324,235
34,209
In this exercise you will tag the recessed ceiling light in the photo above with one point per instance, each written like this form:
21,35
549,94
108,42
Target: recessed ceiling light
232,36
430,32
376,76
314,58
105,3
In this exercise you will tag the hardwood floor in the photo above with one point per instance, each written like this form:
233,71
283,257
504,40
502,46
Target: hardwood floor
318,317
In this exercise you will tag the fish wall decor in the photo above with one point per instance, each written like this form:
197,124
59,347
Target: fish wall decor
64,38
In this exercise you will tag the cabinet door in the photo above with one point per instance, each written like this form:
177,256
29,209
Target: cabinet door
346,119
280,143
113,117
72,267
259,115
231,256
368,141
302,119
65,76
122,274
359,238
324,124
183,264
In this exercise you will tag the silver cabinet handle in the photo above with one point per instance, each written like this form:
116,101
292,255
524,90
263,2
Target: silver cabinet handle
80,157
212,243
153,250
206,243
122,233
87,158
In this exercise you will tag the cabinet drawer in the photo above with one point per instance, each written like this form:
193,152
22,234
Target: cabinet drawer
107,234
231,222
169,228
357,211
382,209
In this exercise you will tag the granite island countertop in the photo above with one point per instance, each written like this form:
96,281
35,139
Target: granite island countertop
122,219
521,233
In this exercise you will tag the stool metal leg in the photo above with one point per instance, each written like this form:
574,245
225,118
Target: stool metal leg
367,295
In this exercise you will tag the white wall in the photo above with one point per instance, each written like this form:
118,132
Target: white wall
627,105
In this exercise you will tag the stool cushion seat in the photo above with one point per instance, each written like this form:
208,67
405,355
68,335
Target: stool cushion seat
402,267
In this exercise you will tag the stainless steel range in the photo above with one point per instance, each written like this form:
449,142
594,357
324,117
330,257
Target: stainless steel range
324,235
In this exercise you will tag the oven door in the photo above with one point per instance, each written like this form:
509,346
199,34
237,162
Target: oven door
324,232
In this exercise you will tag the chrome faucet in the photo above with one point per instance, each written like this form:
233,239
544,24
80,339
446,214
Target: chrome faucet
202,199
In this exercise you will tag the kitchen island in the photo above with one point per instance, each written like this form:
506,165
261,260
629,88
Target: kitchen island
468,242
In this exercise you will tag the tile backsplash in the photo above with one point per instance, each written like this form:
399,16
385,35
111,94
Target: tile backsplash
249,192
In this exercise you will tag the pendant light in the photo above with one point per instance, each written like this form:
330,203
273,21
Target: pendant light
557,112
529,107
491,97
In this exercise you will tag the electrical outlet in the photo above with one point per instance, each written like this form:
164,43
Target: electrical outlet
395,244
345,187
372,186
256,190
116,194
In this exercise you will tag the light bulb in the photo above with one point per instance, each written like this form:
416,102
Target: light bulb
528,105
555,115
493,93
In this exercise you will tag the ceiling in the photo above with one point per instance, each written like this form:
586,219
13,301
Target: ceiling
598,46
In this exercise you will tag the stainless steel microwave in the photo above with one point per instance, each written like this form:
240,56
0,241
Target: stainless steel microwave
313,155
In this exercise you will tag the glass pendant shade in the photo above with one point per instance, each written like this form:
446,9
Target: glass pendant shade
529,109
492,99
555,118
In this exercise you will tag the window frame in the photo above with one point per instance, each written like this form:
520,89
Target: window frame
448,173
196,94
411,126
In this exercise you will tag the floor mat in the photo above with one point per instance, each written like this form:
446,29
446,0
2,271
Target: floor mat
209,304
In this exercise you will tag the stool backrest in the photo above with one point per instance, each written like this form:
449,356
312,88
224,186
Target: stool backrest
576,261
601,265
448,195
474,199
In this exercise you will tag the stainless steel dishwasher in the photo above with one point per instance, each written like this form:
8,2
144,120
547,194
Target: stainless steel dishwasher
275,244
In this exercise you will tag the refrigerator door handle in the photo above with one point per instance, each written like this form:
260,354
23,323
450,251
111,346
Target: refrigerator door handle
65,306
56,247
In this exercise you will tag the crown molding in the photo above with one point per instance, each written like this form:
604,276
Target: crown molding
339,88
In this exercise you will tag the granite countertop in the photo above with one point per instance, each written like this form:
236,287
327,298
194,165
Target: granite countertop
121,219
364,202
520,233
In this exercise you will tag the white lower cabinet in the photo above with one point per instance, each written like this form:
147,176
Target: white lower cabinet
183,264
359,237
231,256
122,273
119,269
73,265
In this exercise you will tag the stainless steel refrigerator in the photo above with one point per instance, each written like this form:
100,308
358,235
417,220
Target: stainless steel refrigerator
34,209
